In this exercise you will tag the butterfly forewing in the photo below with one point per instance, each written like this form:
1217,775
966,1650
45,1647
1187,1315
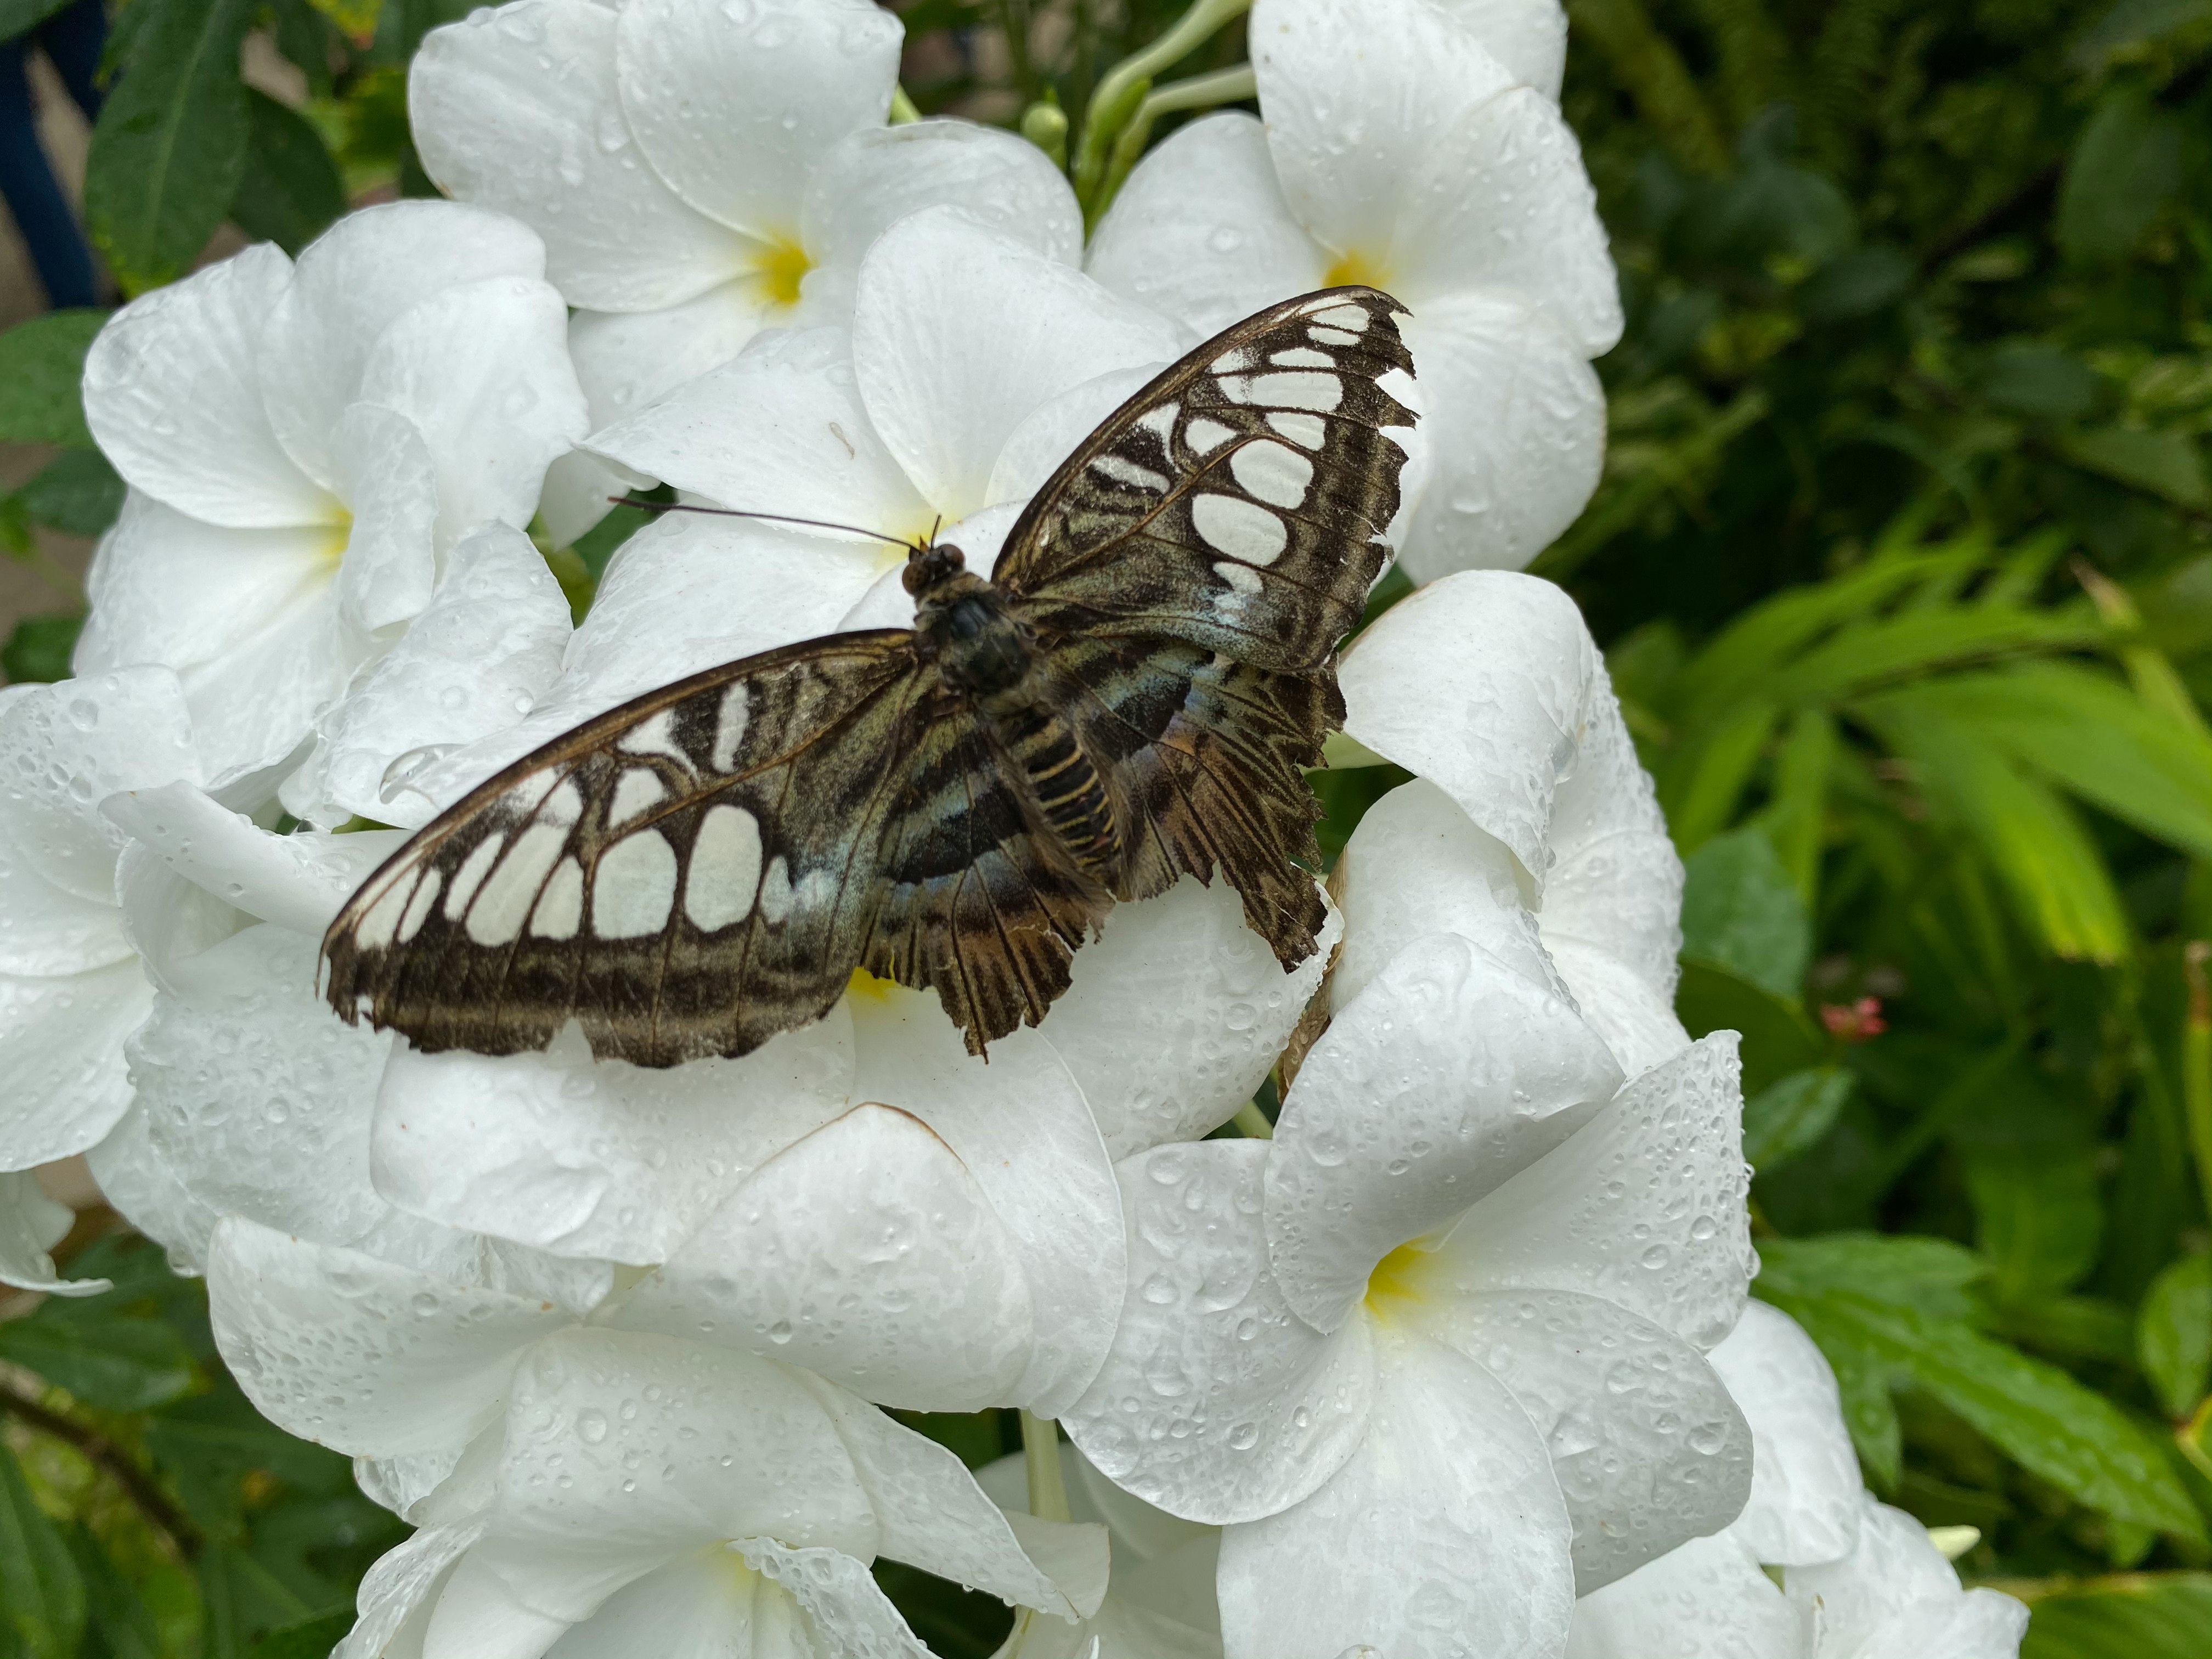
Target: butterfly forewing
1237,502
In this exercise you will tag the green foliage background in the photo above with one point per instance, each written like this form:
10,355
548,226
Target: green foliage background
1902,564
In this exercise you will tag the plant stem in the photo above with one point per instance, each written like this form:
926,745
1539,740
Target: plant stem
1252,1123
902,107
1120,91
2197,1063
1047,1483
112,1460
1198,92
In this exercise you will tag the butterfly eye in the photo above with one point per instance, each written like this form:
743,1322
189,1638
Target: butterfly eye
925,567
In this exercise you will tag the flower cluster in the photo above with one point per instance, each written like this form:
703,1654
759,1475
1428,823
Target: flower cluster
1449,1351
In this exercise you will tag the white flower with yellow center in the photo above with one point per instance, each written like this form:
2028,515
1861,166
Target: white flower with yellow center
1402,144
701,170
306,444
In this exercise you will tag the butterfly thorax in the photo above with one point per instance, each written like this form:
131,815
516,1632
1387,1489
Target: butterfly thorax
982,652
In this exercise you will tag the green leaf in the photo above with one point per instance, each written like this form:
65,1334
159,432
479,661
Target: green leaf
2039,1220
1790,1116
1855,284
119,1625
2173,1334
41,365
311,1639
1777,1038
241,1602
169,147
119,1363
2040,380
2137,1616
38,648
41,1592
1740,912
290,190
77,493
1700,789
2125,167
1929,1274
2165,463
20,17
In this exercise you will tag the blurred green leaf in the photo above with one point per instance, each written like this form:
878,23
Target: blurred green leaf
169,147
41,1592
1740,912
2166,464
77,493
118,1625
242,1602
118,1362
1788,1117
2147,1615
2125,167
2039,1218
289,189
314,1638
1928,1274
1777,1038
1856,284
38,648
20,17
2034,379
2173,1334
41,363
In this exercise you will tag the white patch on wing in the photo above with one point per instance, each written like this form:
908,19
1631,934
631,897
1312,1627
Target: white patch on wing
500,908
382,920
474,868
1345,316
729,726
776,890
1310,430
1233,362
1297,389
418,907
1275,472
634,791
563,806
1204,436
1331,337
1128,472
1303,357
1243,530
633,886
725,868
653,735
1160,422
1242,578
560,912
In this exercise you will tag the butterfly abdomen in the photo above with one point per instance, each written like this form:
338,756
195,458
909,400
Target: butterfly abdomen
1069,795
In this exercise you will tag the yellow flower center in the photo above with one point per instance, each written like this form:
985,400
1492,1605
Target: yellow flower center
335,537
1397,1280
1355,265
782,266
866,984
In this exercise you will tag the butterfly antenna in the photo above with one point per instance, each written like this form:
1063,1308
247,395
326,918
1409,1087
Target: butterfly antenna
773,518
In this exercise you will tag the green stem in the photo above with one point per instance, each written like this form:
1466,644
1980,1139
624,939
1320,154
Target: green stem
902,107
111,1461
1120,92
2196,1064
1047,1483
1252,1123
1226,86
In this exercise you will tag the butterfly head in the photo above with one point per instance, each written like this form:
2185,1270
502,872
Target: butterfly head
932,564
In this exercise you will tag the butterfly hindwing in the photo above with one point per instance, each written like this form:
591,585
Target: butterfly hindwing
1238,501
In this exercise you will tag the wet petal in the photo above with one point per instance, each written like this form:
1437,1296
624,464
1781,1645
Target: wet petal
1805,1484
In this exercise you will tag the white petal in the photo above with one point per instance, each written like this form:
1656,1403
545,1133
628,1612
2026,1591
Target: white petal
709,1605
297,881
1644,1206
1892,1588
733,115
1805,1484
488,646
1506,207
780,429
1528,37
391,558
60,1050
479,1615
349,285
1444,1535
624,1451
626,361
1638,1023
1019,1125
1450,1073
360,1355
1357,94
31,1224
591,1159
1515,430
960,332
581,489
172,394
1648,1447
62,747
1217,1403
933,1516
1200,230
1036,448
483,369
1176,1011
865,1253
1708,1600
845,1610
136,1179
395,1595
876,175
1479,684
516,109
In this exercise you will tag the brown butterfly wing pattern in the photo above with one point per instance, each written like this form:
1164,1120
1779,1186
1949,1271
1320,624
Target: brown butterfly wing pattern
705,866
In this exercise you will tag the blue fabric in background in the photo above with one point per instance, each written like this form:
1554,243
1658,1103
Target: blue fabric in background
71,39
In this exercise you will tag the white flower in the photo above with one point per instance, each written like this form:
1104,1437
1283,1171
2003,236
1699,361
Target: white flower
1859,1581
1397,150
305,444
70,985
639,1494
1531,828
700,170
31,1224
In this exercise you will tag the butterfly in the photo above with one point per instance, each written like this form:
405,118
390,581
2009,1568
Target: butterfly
1133,694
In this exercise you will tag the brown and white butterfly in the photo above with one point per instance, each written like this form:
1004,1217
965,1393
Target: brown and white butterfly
1133,695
